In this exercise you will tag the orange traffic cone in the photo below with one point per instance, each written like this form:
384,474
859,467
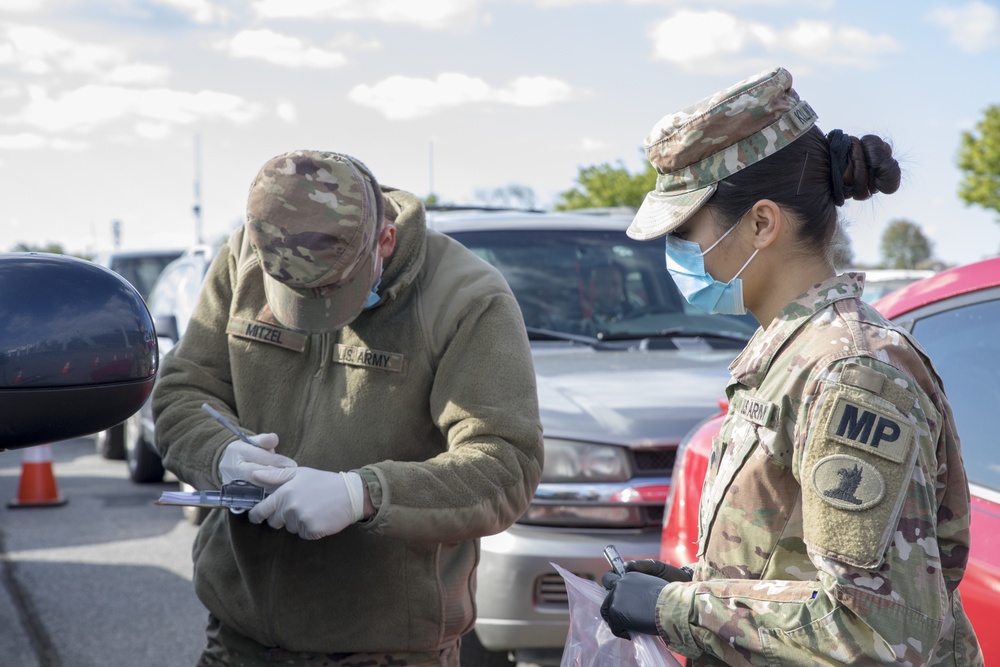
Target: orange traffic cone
37,487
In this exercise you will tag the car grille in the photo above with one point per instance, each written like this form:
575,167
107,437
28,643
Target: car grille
653,462
550,590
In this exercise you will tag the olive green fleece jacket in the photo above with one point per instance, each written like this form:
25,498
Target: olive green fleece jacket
431,393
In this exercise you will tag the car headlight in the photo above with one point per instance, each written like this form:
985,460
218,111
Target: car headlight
586,485
567,461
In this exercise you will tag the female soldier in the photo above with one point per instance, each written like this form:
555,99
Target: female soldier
835,512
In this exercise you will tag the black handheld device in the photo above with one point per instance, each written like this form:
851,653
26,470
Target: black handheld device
615,560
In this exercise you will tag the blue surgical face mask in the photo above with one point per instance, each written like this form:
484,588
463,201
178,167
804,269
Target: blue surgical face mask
686,264
375,297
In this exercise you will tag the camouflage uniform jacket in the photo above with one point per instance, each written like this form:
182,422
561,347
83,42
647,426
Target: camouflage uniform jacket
834,520
430,394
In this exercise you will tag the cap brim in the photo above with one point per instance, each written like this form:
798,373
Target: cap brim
660,213
321,309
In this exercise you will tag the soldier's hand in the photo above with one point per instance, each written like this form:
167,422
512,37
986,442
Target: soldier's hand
308,502
657,568
240,460
630,605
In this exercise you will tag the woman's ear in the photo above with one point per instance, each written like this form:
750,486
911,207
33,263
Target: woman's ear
768,222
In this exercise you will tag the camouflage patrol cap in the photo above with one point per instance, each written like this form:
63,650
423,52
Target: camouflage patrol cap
313,219
695,148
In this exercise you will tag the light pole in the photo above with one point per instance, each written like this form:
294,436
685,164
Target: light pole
196,207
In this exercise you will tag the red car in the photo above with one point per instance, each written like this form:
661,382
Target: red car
955,316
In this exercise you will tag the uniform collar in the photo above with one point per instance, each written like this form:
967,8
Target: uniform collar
750,367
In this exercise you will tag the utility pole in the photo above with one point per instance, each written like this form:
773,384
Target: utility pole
196,208
430,170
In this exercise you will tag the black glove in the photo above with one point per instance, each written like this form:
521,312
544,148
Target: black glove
658,568
630,605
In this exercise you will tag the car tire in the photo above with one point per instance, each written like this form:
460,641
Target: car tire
144,464
111,442
194,515
474,654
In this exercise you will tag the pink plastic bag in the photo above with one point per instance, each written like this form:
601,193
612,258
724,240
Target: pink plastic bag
590,643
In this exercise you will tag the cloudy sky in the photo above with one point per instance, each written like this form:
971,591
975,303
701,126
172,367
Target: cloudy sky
116,109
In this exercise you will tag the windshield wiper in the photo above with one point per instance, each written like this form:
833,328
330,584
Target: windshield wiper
537,333
673,332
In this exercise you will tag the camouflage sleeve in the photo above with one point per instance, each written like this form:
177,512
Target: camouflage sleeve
866,441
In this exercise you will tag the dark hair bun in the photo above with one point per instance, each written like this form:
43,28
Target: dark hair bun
870,168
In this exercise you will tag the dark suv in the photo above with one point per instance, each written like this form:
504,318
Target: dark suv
170,302
140,268
625,368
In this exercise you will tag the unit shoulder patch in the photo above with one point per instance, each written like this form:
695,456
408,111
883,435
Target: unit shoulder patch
870,429
848,482
856,467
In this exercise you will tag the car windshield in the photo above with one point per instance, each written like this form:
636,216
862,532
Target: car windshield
596,284
142,271
966,353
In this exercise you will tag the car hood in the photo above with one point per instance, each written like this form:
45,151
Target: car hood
628,397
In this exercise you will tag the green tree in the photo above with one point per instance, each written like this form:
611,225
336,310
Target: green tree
979,161
904,246
606,185
50,247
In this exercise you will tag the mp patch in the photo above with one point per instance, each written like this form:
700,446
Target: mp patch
869,429
847,482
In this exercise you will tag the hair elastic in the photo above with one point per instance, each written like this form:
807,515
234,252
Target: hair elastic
840,149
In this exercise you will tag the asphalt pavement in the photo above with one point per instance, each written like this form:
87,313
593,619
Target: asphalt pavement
103,580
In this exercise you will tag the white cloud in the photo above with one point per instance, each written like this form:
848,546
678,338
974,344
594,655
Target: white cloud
798,4
138,74
430,14
589,144
32,141
401,97
974,27
534,91
287,111
92,106
35,50
706,41
353,42
24,6
690,36
200,11
279,49
152,130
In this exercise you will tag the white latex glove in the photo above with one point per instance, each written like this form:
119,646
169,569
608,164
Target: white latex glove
309,502
240,459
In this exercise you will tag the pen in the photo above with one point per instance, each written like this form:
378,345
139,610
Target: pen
225,422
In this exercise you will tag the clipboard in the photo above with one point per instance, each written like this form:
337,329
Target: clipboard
238,496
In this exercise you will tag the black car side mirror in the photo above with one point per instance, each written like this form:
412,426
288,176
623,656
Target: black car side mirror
78,350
